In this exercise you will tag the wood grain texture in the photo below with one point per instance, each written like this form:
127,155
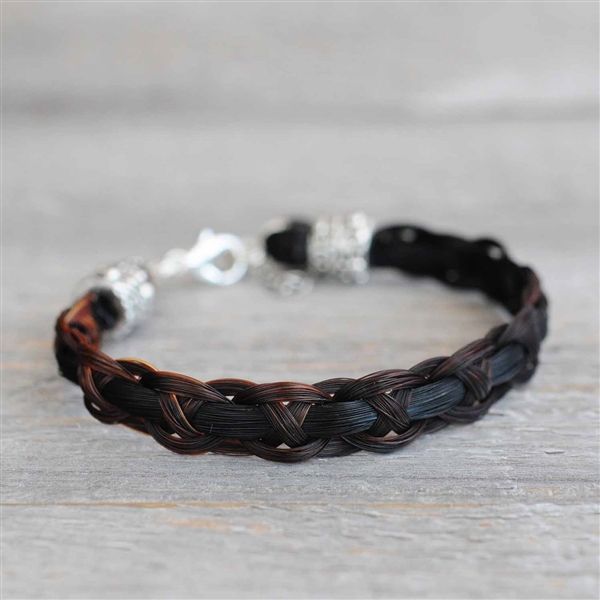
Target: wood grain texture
112,149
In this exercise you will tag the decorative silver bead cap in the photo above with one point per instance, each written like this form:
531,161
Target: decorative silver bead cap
130,290
339,246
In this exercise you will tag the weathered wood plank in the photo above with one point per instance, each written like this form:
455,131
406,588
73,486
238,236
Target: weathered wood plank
297,61
507,507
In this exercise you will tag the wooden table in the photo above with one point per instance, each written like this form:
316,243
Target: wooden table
128,128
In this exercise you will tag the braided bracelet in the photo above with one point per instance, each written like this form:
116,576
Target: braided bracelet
287,421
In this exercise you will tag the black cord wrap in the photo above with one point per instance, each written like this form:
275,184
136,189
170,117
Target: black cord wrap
292,421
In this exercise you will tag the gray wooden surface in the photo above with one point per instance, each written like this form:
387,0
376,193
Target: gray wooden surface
128,127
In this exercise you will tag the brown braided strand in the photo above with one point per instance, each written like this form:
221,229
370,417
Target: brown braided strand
291,422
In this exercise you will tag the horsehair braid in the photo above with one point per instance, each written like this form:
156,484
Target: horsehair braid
292,422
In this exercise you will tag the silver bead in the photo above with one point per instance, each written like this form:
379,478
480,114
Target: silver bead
130,290
339,246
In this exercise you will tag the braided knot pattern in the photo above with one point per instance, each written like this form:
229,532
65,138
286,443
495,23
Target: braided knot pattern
290,422
287,421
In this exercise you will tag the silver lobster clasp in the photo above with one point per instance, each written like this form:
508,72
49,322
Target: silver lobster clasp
215,258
